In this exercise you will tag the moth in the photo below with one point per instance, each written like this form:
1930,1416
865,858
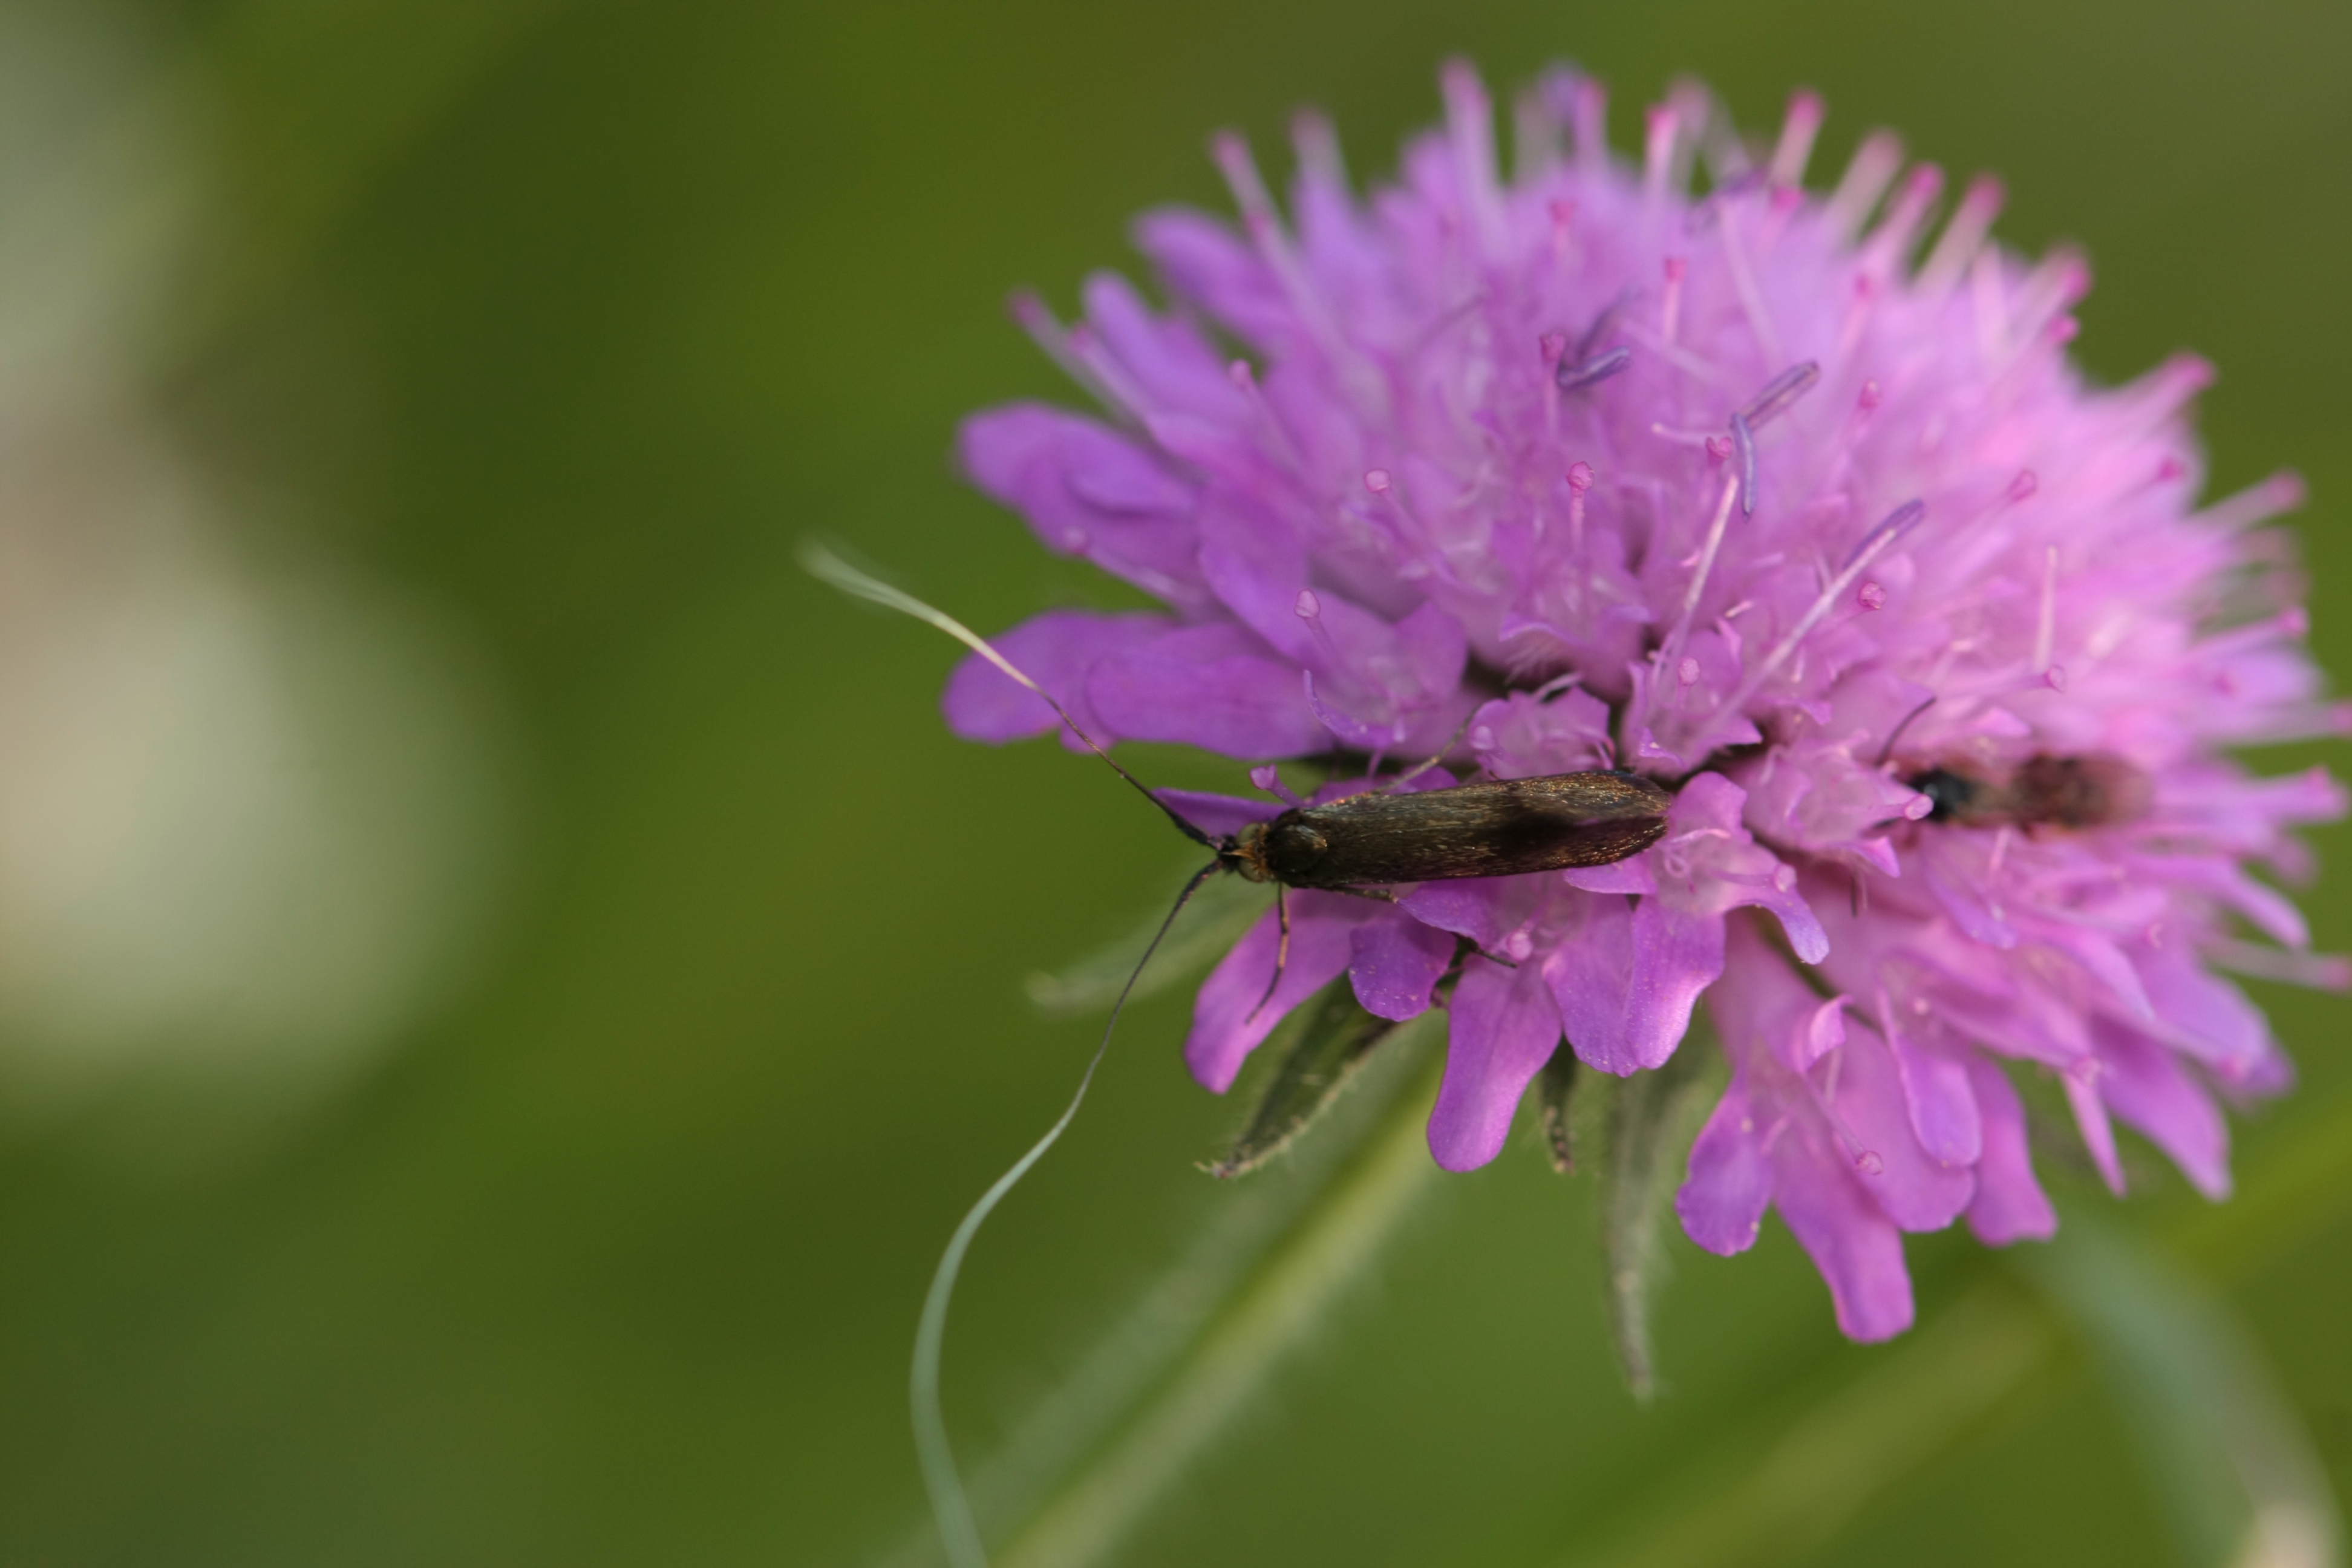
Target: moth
1496,827
2045,791
1361,843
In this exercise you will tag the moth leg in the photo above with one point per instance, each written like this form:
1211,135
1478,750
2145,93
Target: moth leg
1378,895
1282,949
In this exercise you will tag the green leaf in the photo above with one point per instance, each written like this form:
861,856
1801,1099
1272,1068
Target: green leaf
1326,1049
1216,919
1648,1122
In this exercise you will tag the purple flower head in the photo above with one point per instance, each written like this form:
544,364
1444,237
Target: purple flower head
1778,500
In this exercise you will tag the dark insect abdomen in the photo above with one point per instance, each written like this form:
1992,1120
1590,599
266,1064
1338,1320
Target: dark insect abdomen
2045,791
2077,792
1499,828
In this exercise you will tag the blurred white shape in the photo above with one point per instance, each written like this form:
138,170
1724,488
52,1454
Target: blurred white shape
248,808
2289,1535
235,806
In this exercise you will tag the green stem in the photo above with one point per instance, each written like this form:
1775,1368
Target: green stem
1095,1509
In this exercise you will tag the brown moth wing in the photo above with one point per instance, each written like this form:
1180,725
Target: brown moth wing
2095,791
1496,828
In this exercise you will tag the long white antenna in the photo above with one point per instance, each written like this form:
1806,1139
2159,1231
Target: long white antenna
825,565
959,1531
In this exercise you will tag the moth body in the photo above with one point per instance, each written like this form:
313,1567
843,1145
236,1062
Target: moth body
2044,791
1499,828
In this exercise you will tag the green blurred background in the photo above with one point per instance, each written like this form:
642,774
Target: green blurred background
505,986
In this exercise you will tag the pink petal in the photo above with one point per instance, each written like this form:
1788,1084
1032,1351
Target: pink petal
1632,875
2105,961
1626,987
1943,1107
1955,888
1256,564
2147,1087
2205,1015
1504,1030
1026,453
1710,802
1517,737
1710,863
1723,1199
1487,911
1228,1021
1057,650
1345,789
1395,961
1163,354
1219,816
1204,261
1588,974
2009,1204
1807,940
1433,650
1088,490
1850,1240
1823,1031
1913,1190
2091,1118
1676,955
1212,686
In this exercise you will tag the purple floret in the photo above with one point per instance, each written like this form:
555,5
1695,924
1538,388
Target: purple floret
1572,470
